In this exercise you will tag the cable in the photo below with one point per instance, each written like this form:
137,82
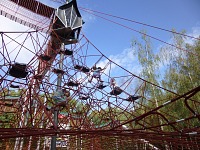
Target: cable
145,34
128,70
89,10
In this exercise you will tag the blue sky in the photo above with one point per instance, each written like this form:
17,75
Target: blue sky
115,41
112,39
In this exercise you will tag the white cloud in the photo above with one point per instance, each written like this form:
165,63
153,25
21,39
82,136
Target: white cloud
195,33
88,18
168,52
14,52
125,59
11,26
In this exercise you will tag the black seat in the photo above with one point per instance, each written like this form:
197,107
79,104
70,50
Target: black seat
101,86
84,97
71,83
82,68
68,52
45,57
58,71
18,70
116,91
132,98
14,86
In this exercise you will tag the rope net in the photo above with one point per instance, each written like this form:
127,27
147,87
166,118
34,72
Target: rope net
32,14
97,109
100,104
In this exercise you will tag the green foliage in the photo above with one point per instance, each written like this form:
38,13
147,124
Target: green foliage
6,119
175,68
149,62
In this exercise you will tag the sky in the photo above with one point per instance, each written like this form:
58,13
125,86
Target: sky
113,36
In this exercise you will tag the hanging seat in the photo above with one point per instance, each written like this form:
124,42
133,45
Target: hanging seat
71,83
66,52
82,68
132,98
58,71
45,57
18,70
84,97
101,86
14,86
116,91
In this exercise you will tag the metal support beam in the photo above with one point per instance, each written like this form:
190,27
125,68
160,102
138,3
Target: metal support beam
59,81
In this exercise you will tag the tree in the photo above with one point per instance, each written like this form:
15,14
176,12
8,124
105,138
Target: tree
150,64
180,73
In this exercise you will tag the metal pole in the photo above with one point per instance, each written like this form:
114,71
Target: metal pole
59,81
